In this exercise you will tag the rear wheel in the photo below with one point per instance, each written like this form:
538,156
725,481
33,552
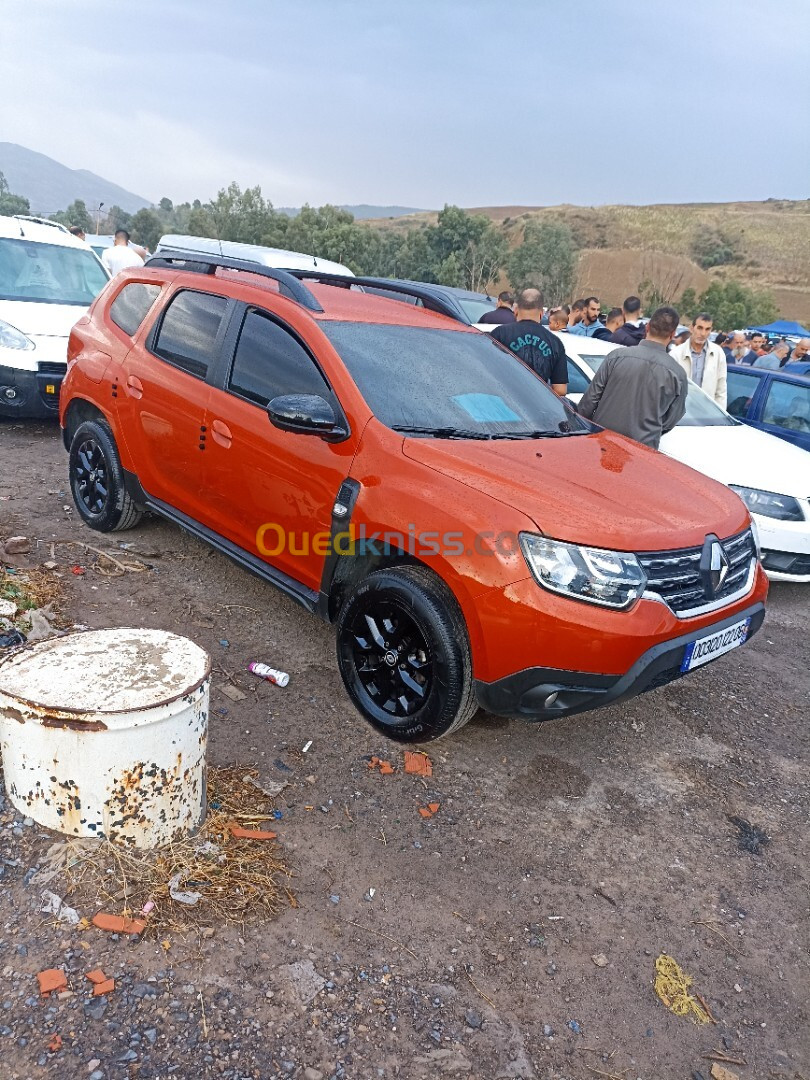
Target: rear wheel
97,480
404,655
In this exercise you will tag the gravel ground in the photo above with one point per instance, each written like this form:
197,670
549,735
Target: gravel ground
605,836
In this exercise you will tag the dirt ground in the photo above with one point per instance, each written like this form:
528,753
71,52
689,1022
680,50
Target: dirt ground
608,833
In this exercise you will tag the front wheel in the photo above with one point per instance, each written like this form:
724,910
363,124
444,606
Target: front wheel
97,480
404,655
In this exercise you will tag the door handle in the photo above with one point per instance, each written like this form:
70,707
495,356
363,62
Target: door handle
221,434
134,387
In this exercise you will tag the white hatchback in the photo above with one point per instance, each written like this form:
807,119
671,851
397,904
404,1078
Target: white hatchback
48,279
771,476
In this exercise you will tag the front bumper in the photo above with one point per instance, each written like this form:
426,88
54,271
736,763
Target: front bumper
31,393
786,546
525,692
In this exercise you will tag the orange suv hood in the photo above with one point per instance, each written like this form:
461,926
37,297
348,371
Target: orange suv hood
601,490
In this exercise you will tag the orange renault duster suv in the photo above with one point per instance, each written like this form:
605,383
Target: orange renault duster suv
403,476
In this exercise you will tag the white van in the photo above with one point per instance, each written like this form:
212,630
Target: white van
171,244
48,279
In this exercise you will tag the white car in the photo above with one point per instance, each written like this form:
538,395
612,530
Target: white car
172,244
48,279
771,476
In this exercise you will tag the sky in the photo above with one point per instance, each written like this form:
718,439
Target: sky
472,102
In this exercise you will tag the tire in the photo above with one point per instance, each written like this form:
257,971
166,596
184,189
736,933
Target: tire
404,655
97,480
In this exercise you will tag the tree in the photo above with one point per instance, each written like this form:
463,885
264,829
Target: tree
116,219
731,305
714,247
468,250
546,258
146,228
12,204
76,214
166,205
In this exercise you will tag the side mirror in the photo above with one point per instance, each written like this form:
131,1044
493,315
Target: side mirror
305,414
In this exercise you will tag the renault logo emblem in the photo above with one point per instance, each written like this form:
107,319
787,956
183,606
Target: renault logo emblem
714,567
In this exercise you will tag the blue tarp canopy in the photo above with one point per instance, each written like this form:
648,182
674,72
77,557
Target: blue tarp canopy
783,328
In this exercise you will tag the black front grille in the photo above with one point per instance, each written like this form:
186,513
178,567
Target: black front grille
675,575
786,562
49,367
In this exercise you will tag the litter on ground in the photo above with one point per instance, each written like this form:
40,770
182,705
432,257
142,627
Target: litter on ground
672,987
417,763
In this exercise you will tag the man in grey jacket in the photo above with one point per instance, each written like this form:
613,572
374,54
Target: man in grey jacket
641,391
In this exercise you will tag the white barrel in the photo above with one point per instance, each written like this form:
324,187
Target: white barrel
103,733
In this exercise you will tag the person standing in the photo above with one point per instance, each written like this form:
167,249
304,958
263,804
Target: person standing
534,343
614,320
121,255
633,330
576,315
703,360
503,313
735,347
558,318
590,318
775,358
640,391
77,231
800,350
756,344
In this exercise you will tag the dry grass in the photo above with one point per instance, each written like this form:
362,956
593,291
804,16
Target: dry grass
34,589
237,879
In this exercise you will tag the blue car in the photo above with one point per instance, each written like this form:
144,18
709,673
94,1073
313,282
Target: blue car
774,401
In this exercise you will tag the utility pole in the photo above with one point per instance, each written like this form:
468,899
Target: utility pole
98,216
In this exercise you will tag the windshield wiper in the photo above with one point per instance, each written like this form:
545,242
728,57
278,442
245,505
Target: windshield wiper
537,434
442,432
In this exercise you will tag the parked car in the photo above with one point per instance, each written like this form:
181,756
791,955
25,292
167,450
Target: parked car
47,280
771,477
474,541
172,244
796,367
774,401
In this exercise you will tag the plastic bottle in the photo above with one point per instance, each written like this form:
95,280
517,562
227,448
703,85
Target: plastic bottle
278,678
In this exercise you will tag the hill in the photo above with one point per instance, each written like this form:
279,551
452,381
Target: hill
50,186
621,246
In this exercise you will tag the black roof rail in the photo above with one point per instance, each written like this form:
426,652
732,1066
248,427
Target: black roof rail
432,301
288,283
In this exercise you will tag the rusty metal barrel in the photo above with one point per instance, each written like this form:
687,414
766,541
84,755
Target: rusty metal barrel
103,733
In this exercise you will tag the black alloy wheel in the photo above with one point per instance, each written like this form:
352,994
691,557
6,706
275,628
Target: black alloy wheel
97,479
92,484
404,654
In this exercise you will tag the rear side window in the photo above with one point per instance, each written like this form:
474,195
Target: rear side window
269,362
788,406
741,389
129,308
189,331
577,383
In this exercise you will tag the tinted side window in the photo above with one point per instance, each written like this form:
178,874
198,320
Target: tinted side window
577,383
269,362
741,389
189,331
129,308
788,406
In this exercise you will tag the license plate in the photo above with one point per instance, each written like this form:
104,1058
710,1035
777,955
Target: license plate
713,645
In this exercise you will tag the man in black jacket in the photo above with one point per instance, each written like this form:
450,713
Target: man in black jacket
533,343
633,330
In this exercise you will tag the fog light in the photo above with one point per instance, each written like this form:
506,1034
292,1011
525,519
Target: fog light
551,699
10,393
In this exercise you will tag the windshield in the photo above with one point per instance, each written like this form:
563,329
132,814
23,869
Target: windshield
49,273
701,411
448,379
474,309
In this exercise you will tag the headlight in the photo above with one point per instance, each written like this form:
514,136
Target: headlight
610,578
12,338
769,504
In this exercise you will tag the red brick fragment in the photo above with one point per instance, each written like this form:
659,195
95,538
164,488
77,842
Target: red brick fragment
251,834
96,976
117,924
55,1044
105,987
418,764
50,980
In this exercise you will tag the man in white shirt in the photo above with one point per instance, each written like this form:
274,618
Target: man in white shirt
702,360
120,256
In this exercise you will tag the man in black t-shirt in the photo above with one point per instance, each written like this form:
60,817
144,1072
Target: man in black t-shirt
533,343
